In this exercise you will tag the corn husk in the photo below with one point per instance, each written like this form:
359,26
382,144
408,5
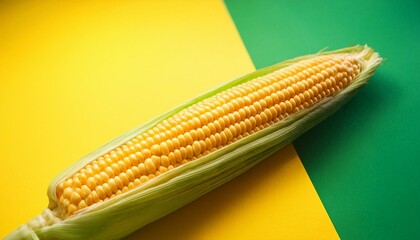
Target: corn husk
123,214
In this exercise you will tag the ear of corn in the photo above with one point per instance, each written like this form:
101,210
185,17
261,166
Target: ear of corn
179,156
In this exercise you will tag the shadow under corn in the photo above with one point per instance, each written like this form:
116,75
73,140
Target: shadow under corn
347,127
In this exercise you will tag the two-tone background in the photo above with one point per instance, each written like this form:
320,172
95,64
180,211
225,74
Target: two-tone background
74,75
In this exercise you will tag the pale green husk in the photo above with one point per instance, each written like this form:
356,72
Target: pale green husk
125,213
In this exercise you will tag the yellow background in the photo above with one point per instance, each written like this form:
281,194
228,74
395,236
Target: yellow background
74,76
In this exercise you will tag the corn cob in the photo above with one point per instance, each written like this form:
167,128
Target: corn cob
184,153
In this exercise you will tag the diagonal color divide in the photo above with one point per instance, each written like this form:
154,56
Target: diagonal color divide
363,160
77,75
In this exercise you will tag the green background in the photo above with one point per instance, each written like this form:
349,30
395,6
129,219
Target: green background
364,160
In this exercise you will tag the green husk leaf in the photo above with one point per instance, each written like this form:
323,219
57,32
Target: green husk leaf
158,197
